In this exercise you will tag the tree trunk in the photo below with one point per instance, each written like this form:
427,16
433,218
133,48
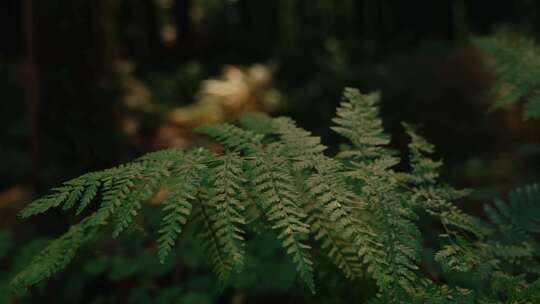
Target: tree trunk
32,91
182,11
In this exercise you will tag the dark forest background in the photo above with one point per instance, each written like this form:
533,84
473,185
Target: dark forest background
85,85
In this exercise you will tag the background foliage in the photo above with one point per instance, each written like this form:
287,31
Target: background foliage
120,78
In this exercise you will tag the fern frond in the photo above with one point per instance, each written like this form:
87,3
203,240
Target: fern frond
183,187
117,183
165,155
257,122
301,145
524,208
532,108
333,215
516,289
276,191
93,184
331,207
456,258
358,120
514,226
514,254
434,197
152,179
424,169
82,188
517,221
399,237
52,259
206,216
225,193
275,177
253,206
429,292
391,242
231,137
516,63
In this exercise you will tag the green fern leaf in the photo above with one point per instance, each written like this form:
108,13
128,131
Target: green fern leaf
206,215
300,144
68,194
390,241
434,197
274,176
231,137
358,120
183,186
257,122
278,195
516,63
330,209
225,194
52,259
153,175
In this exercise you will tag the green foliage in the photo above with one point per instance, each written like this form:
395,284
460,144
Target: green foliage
53,258
389,243
5,246
357,208
521,215
183,189
516,63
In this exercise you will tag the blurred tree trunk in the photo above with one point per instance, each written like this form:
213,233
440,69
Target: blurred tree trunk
368,10
106,92
103,21
11,28
32,92
245,13
152,29
460,22
182,9
78,52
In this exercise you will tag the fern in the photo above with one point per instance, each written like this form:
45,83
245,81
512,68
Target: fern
54,257
334,223
356,207
302,147
82,189
516,63
507,251
513,229
279,199
225,198
210,239
433,196
231,137
152,176
331,223
522,213
391,248
183,189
